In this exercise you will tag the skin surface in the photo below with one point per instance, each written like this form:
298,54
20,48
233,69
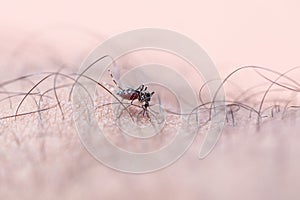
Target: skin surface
41,157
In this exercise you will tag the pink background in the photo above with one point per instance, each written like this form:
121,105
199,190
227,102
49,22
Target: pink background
233,32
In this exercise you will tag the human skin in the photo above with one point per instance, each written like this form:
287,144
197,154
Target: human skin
49,161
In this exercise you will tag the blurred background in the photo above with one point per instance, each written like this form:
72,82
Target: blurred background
232,32
42,35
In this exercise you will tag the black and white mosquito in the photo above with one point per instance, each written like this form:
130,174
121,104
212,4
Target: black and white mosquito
141,94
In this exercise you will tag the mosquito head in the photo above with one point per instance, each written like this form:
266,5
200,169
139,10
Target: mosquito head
149,95
145,96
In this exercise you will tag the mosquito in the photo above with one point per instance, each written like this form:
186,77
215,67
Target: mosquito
141,94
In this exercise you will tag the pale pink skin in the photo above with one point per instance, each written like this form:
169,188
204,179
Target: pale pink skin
245,164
